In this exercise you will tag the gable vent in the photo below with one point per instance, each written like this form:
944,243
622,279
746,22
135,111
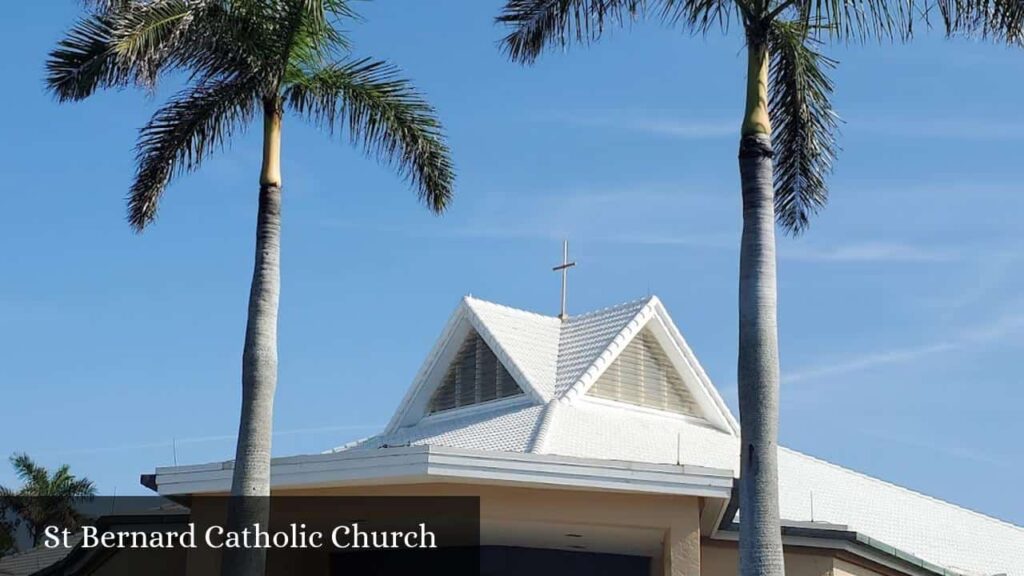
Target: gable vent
643,375
474,376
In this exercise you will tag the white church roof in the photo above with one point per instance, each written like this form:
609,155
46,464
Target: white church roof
555,363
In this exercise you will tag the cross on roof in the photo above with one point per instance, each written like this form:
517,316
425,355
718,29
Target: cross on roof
564,269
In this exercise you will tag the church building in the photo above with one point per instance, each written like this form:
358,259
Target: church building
600,436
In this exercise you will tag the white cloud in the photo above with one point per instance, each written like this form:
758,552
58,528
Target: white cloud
665,123
866,252
171,443
998,329
948,128
867,361
680,128
946,448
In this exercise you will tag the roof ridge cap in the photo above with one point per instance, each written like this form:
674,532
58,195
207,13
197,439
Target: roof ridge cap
529,387
538,442
469,299
611,351
866,476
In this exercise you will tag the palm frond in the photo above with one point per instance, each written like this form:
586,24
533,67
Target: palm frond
134,42
182,133
1001,20
84,61
107,6
147,34
701,16
803,123
31,474
311,38
383,113
537,23
859,20
855,20
206,38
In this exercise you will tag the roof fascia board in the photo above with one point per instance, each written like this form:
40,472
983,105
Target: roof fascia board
428,366
695,366
857,545
419,464
710,411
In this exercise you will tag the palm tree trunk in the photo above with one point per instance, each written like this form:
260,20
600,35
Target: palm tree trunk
758,363
250,485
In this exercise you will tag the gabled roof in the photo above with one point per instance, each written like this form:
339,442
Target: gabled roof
525,343
619,446
558,418
552,360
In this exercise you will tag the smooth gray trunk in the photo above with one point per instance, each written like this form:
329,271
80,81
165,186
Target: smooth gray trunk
758,366
250,486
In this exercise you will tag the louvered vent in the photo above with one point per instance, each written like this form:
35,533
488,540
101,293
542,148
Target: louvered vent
644,376
475,375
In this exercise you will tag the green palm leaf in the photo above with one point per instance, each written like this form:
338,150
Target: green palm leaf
385,115
803,123
84,61
182,133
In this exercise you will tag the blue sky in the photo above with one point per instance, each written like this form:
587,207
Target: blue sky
901,326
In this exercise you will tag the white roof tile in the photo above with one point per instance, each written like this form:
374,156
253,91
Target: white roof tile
529,340
554,355
508,427
585,337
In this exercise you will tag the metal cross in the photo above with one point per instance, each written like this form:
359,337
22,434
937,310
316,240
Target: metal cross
564,269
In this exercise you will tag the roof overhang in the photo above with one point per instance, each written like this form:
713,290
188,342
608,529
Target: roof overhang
857,545
841,539
423,464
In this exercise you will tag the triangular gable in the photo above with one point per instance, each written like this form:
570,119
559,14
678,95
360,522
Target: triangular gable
529,340
585,337
651,318
474,376
553,360
643,375
524,343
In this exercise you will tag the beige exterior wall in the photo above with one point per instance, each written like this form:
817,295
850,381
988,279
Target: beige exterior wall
665,528
851,568
721,558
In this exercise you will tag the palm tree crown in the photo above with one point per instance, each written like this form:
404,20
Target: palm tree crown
790,34
786,151
45,498
242,57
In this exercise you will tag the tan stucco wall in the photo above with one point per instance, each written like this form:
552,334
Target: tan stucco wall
845,568
720,558
672,522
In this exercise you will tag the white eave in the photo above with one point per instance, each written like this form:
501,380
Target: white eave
421,464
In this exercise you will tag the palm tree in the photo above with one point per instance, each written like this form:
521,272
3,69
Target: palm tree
45,498
787,146
6,533
243,58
